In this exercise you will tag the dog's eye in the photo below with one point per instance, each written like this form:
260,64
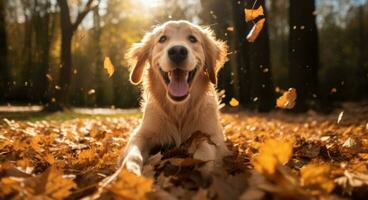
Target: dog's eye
162,39
192,39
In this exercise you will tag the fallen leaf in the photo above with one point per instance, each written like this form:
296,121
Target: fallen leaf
316,176
130,186
351,180
272,153
287,100
109,66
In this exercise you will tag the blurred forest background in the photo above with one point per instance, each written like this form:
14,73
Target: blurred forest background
52,51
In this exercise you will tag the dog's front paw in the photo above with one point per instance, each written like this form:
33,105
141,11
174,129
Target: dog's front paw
133,163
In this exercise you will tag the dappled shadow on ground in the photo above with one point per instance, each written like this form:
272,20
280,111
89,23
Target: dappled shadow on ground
275,155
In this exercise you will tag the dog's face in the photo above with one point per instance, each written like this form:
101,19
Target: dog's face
178,52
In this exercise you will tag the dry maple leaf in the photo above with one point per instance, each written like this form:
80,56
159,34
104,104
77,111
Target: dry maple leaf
250,15
130,186
316,176
109,66
272,153
287,100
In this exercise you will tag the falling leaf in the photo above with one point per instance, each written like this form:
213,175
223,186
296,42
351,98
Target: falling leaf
340,117
109,66
287,100
316,176
251,14
272,153
91,91
230,28
49,77
256,30
333,90
233,102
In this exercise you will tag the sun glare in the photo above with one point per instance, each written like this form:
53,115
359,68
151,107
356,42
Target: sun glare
150,3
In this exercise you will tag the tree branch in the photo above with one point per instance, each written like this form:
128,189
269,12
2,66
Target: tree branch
64,13
83,14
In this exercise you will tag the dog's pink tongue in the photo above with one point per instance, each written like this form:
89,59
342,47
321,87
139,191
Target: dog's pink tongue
178,86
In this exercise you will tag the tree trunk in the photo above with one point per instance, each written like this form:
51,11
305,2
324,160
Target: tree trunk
262,94
303,52
4,75
44,39
67,31
62,94
241,52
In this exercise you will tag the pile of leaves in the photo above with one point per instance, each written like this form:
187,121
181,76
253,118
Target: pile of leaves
277,155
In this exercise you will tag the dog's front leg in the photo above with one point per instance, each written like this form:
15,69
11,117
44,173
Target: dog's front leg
135,153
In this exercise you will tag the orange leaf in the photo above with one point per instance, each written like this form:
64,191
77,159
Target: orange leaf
252,14
287,100
272,153
234,103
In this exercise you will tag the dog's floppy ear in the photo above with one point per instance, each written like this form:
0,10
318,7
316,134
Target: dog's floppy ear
215,54
137,57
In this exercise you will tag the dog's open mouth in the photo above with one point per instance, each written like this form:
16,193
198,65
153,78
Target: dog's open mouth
178,82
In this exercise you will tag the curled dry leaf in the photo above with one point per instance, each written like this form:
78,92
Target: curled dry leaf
352,180
272,153
109,66
256,30
317,176
287,100
251,14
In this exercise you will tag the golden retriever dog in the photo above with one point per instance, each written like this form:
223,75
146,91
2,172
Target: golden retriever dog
177,64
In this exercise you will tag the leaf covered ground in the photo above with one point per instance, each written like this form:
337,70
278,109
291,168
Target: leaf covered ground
275,156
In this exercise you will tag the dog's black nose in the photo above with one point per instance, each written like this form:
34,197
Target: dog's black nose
178,54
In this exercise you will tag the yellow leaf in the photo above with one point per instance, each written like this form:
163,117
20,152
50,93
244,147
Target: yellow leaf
316,176
256,30
272,153
234,103
287,100
252,14
131,186
109,66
